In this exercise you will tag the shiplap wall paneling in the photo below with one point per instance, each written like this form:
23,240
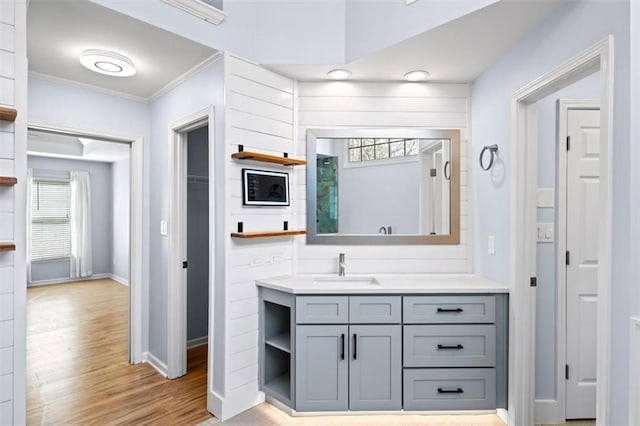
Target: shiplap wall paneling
258,115
7,203
356,104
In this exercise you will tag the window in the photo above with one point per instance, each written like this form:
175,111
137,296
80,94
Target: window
369,149
50,224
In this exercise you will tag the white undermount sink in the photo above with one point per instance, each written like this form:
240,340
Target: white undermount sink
346,281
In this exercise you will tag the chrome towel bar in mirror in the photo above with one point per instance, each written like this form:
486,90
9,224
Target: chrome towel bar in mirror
493,149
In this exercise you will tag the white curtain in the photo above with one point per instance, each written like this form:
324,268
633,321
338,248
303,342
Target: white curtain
29,206
80,218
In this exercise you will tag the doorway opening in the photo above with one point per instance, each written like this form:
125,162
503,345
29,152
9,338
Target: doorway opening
523,152
84,234
191,234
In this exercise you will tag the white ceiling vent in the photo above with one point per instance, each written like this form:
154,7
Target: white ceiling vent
199,9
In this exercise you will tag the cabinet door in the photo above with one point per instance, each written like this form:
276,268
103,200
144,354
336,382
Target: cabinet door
322,365
375,369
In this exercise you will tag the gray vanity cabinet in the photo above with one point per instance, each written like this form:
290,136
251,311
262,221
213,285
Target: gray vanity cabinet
322,368
375,369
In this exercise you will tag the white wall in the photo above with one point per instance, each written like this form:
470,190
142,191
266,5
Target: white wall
369,196
63,105
13,159
259,115
574,27
101,217
546,307
269,32
120,173
374,25
353,104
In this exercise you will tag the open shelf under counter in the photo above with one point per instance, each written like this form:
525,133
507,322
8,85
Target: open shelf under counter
280,385
281,341
264,234
267,158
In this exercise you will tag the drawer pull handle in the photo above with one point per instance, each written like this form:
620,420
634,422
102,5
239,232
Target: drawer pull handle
450,347
355,346
457,390
444,310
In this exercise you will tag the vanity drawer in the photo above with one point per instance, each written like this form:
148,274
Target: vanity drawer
459,345
450,389
322,309
449,309
375,309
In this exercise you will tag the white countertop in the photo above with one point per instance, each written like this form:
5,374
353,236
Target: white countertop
386,284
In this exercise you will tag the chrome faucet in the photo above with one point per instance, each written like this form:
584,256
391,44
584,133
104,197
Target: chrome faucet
382,230
341,265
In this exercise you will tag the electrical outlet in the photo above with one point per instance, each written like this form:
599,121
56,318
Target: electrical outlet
258,261
276,259
491,243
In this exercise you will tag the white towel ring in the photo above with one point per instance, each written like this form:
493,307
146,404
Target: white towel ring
493,149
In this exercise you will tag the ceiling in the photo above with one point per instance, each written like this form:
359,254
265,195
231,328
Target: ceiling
44,144
58,30
458,51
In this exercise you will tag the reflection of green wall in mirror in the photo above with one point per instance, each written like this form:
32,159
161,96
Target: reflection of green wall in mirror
327,195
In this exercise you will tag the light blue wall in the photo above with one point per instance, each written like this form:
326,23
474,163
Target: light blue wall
198,235
588,88
64,105
120,186
575,27
101,216
199,92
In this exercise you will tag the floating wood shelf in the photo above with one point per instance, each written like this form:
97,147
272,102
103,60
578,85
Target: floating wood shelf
8,181
268,234
266,158
8,113
7,247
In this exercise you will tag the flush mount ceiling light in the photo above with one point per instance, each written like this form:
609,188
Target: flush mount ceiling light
417,75
339,74
107,63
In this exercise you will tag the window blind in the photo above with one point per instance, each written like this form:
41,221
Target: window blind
50,224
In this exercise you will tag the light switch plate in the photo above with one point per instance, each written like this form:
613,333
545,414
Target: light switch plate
163,227
491,242
545,232
545,198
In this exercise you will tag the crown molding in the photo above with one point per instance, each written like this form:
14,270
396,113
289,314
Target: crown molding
185,76
103,90
199,9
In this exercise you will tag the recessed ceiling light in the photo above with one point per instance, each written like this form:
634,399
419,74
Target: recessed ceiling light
417,75
107,63
339,74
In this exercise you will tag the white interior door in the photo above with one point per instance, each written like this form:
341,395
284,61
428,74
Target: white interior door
583,188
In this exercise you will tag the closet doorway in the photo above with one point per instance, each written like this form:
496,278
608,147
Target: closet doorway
191,233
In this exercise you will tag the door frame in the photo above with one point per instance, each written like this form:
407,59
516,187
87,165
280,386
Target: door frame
563,107
177,232
522,221
136,207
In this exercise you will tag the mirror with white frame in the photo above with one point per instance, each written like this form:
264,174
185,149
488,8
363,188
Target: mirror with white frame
383,186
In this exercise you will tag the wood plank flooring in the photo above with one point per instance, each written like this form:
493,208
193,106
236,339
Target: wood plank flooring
77,368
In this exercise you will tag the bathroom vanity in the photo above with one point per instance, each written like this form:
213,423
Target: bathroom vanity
384,343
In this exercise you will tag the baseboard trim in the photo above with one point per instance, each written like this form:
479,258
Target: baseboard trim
119,279
548,411
503,414
198,341
153,361
68,280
